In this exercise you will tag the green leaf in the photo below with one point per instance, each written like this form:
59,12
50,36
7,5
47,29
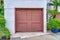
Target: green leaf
53,12
54,24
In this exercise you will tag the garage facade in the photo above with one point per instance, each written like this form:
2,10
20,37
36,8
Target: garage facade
25,16
29,20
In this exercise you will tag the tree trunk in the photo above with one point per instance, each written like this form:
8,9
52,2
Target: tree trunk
56,8
54,16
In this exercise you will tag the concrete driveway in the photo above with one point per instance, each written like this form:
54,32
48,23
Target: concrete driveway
35,36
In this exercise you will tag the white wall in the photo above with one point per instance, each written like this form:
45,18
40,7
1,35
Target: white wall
10,6
58,8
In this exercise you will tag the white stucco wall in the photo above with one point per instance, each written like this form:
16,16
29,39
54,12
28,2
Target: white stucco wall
10,6
58,8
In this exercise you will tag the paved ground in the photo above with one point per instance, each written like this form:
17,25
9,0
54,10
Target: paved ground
30,36
56,35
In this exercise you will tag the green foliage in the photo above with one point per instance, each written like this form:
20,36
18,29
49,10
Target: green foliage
3,28
1,16
1,33
53,12
1,2
54,3
2,20
54,24
1,7
6,32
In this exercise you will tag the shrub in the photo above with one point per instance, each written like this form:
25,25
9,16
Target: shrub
54,24
1,16
3,30
3,27
1,33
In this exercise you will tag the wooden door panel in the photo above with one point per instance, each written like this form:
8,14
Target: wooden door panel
28,28
21,16
37,27
37,19
21,21
21,27
36,15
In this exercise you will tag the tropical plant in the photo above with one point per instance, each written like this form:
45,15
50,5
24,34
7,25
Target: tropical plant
54,24
54,3
53,13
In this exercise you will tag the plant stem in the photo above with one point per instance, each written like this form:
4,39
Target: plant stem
54,16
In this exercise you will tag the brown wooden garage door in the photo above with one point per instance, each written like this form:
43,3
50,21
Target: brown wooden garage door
28,20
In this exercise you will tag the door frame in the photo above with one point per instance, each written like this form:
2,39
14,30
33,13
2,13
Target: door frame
30,8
